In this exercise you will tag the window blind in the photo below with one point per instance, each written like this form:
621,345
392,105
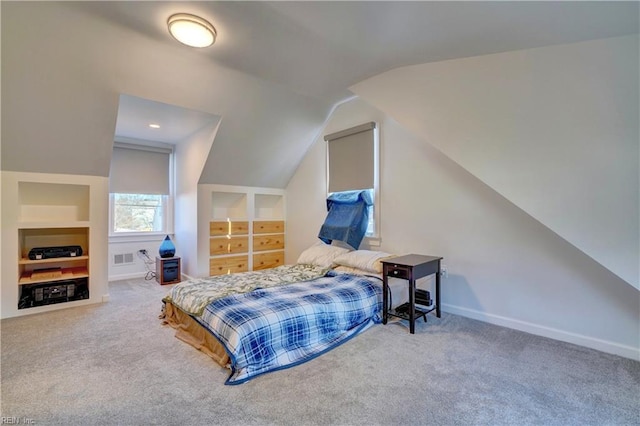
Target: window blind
351,158
139,170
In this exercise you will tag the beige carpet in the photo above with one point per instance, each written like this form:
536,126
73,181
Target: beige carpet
115,364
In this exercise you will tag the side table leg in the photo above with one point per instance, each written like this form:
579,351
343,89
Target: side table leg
412,306
438,291
385,299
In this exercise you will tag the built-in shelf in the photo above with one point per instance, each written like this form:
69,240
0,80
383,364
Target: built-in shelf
71,267
29,238
228,205
65,274
52,215
246,229
27,261
53,225
52,202
268,207
50,211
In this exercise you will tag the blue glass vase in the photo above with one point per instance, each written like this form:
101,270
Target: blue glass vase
167,249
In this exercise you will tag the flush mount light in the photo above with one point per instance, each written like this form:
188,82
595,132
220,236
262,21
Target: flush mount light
154,126
191,30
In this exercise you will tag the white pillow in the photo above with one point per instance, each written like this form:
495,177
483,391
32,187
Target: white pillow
366,260
356,271
321,254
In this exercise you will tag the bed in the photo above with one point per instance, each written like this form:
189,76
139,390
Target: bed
263,321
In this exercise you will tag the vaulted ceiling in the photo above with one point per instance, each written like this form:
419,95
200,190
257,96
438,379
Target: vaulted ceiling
273,75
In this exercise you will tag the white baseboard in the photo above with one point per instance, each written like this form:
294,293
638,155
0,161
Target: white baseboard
552,333
130,276
135,275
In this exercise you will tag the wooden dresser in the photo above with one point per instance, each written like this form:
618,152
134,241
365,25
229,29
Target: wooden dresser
268,244
240,246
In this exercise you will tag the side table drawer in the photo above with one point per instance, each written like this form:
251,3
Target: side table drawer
397,271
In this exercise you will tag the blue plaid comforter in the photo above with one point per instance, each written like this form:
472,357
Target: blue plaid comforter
275,328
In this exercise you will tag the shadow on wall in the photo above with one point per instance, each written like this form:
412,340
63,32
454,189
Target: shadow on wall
456,287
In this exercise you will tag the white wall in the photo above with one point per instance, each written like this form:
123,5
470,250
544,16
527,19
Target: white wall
505,267
189,158
140,265
191,155
555,130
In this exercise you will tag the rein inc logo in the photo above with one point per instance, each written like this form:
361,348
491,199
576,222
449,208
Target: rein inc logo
16,421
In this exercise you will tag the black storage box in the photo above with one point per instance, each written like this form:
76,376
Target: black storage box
423,297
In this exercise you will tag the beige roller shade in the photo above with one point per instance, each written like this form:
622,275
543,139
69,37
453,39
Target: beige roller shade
139,170
351,158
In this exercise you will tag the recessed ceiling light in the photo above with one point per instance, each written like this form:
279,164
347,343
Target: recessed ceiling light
191,30
154,126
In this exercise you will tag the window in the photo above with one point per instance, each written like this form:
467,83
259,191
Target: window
352,164
140,189
138,213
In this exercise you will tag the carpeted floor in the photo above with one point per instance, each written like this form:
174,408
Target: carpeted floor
115,364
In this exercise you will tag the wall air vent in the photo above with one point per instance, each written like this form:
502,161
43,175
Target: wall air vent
123,259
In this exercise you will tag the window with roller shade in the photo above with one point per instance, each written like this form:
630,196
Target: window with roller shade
352,164
140,189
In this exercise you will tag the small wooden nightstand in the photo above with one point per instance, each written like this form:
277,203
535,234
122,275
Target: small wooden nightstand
168,270
410,267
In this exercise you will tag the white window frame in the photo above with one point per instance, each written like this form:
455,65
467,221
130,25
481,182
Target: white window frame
374,238
165,203
167,200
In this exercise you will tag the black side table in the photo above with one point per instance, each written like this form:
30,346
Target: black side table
410,267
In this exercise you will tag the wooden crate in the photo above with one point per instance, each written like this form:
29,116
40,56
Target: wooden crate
217,228
224,245
268,226
228,265
268,242
268,260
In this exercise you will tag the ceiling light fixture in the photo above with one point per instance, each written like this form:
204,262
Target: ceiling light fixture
154,126
191,30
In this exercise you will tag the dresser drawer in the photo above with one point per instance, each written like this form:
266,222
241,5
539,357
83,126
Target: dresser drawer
268,260
224,245
228,228
268,242
398,271
268,226
228,265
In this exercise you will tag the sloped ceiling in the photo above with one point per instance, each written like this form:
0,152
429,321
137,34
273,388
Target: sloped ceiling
273,75
178,123
554,130
64,71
